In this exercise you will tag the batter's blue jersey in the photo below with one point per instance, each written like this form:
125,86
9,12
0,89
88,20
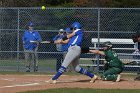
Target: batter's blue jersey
77,38
28,36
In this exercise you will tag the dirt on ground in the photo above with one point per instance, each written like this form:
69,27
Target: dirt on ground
20,83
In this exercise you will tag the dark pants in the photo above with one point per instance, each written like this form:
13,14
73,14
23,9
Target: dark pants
59,61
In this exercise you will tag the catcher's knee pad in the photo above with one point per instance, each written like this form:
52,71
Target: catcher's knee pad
103,77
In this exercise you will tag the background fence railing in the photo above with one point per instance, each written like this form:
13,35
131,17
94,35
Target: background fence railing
96,22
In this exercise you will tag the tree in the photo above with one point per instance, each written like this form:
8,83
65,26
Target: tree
70,3
15,3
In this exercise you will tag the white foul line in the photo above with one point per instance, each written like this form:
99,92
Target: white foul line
8,79
19,85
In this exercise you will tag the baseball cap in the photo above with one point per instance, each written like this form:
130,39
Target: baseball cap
68,30
30,24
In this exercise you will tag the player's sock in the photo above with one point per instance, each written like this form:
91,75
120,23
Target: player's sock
85,72
59,73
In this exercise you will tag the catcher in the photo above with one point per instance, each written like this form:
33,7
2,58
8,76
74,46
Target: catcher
114,65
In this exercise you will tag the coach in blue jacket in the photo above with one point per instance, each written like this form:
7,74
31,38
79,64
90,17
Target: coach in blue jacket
30,43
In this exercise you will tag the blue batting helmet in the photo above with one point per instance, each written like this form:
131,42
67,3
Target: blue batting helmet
68,30
76,25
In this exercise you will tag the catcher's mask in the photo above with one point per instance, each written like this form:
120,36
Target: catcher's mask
107,44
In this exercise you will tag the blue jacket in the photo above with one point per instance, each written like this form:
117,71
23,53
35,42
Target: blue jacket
28,36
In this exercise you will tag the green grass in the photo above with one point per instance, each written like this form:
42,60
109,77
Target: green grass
42,62
86,90
14,62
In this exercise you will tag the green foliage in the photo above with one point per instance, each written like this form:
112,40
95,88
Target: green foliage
122,3
67,4
70,3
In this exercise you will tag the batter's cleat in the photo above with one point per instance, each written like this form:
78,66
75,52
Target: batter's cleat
118,78
93,79
51,81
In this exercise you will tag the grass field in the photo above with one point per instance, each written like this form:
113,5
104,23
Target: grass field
19,65
79,90
13,62
45,65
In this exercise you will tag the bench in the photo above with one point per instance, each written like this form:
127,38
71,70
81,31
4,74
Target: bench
96,41
120,41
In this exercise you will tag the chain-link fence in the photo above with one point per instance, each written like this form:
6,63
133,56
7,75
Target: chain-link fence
96,22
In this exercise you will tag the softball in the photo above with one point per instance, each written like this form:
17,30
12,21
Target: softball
43,7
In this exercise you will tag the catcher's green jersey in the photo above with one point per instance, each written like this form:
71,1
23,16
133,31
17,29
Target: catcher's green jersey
112,58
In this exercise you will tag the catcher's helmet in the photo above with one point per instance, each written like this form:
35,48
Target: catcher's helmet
107,44
76,25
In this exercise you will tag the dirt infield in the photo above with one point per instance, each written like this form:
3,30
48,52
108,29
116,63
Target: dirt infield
18,83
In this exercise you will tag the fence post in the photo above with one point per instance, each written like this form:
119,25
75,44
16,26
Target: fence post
97,56
18,41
